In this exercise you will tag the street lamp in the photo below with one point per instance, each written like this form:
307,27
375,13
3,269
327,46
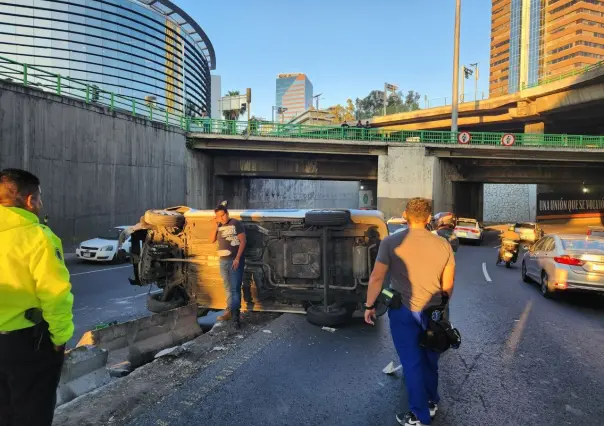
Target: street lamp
455,105
475,66
280,110
388,87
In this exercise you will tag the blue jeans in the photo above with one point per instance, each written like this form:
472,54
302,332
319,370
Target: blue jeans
420,366
232,282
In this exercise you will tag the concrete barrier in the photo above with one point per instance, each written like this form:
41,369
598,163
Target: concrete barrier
83,371
144,337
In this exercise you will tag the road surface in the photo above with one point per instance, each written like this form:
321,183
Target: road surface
525,360
102,294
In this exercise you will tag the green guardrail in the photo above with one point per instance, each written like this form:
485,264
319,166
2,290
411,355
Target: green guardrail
33,76
29,75
562,76
297,131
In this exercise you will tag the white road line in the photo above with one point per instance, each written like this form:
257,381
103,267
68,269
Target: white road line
100,270
484,271
499,246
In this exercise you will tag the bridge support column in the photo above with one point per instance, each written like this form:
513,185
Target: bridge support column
199,179
535,128
407,172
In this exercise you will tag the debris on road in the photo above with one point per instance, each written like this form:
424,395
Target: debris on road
390,369
331,330
219,348
267,331
174,351
121,369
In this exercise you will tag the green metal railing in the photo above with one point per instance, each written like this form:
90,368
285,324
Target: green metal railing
297,131
562,76
33,76
29,75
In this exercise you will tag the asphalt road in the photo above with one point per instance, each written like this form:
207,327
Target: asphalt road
525,360
103,294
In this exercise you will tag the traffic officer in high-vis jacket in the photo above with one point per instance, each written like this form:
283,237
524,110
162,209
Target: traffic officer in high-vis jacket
35,305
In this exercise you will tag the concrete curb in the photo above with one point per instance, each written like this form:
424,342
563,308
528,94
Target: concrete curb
83,371
142,338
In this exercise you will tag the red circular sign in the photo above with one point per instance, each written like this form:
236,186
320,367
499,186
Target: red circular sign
464,138
508,139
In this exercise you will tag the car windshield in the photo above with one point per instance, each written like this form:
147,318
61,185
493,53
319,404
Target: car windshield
112,234
466,224
583,244
525,226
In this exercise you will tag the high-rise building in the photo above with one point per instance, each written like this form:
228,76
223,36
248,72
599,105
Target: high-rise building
534,39
294,92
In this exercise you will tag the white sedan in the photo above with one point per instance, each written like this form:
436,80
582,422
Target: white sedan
469,230
105,248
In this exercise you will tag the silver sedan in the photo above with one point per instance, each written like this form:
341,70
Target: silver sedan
565,263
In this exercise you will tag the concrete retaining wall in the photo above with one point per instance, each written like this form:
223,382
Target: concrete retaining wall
98,169
510,203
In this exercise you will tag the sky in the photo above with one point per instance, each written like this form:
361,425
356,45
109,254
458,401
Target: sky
345,49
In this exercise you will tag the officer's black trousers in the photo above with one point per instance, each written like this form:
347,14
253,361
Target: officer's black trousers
29,376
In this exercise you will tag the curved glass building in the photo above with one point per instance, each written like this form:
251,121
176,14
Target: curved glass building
135,48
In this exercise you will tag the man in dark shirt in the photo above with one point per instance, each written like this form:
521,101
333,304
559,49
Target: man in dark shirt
230,234
422,267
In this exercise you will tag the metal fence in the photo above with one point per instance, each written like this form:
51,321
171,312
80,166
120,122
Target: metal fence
277,131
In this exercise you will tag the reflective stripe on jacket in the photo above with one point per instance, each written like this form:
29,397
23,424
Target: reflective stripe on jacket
33,275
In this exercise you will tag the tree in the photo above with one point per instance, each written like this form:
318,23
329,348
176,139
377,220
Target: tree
373,104
342,113
233,114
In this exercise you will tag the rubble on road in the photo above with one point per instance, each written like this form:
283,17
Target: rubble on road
124,399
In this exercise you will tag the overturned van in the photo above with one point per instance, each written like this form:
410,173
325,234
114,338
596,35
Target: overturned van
312,261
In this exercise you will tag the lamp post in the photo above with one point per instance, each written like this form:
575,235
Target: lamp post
455,105
388,87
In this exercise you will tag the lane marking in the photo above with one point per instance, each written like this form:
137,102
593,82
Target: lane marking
499,246
485,272
517,332
100,270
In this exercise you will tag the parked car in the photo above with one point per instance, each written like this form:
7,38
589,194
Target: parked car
469,230
565,263
528,231
105,248
313,261
596,231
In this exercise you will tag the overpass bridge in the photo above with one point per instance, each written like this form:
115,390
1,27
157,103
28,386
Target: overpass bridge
442,166
569,103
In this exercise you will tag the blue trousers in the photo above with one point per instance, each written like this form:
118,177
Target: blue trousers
420,366
232,282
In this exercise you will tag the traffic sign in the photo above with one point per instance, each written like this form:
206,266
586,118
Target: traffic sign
508,139
464,138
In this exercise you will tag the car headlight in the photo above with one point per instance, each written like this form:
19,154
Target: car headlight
107,248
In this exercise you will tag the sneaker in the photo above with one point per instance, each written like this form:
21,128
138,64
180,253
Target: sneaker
407,419
433,408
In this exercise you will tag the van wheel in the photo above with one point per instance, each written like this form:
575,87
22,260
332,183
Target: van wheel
156,305
336,315
169,219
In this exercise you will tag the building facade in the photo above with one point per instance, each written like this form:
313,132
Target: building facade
535,39
145,49
294,92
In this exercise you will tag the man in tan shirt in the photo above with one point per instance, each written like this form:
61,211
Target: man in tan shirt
422,268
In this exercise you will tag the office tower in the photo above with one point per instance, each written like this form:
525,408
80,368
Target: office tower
534,39
294,92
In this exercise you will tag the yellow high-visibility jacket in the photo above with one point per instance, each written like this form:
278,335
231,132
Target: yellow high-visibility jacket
33,275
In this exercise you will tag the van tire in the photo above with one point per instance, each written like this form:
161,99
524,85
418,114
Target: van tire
156,305
337,315
327,218
169,219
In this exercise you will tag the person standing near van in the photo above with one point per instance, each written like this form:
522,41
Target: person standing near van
422,268
230,235
36,302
